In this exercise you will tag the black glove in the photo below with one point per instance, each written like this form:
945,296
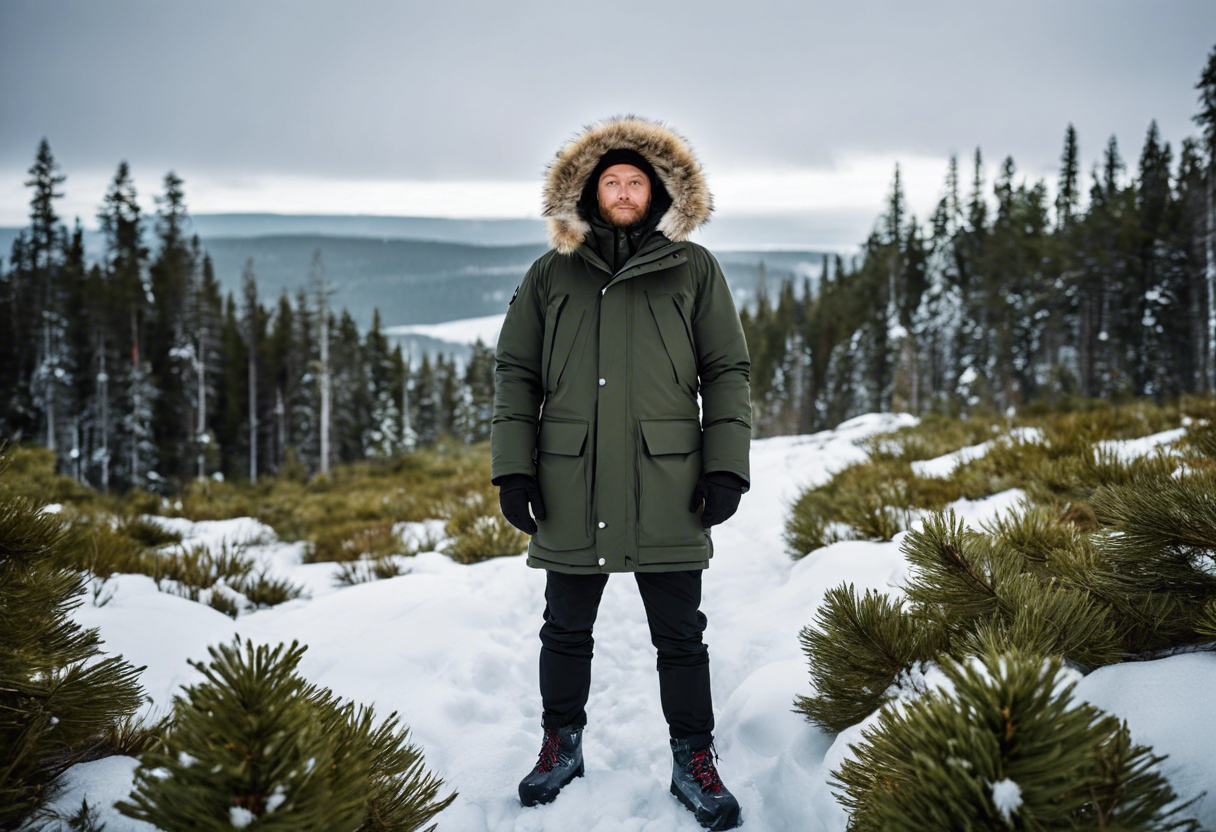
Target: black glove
721,491
514,493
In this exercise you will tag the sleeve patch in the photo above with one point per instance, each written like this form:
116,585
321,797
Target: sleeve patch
514,296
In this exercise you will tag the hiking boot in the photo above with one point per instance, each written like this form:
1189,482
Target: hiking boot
561,760
695,781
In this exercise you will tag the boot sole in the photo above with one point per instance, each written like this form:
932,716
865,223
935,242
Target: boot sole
578,772
730,820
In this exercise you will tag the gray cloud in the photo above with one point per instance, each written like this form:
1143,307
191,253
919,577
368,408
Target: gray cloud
487,90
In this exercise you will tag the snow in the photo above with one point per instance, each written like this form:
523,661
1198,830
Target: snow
454,648
1168,705
943,466
1007,795
240,817
464,331
1126,450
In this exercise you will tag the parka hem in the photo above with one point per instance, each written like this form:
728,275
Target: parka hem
585,561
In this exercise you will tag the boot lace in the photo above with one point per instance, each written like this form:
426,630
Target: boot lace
701,767
548,750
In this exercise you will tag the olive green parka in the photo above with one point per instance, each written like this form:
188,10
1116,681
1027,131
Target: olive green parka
618,390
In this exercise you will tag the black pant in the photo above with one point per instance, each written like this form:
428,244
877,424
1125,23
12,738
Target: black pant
671,600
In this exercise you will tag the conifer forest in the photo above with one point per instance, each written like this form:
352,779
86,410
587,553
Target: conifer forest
137,372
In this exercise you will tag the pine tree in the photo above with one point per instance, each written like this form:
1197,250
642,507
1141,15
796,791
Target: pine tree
384,416
126,295
170,336
284,372
256,745
1068,192
50,382
352,405
253,328
1006,748
58,695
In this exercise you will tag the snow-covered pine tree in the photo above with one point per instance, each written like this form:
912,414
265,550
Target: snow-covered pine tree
1155,311
384,417
58,695
937,320
255,745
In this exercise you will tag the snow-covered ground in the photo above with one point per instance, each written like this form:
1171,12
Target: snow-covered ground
454,649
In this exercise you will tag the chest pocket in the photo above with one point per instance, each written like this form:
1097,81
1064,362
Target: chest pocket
676,336
563,322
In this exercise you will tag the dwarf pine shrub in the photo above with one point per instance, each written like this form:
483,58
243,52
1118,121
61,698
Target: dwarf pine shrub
256,746
971,581
477,530
811,524
1006,748
857,650
1159,562
59,698
366,570
354,540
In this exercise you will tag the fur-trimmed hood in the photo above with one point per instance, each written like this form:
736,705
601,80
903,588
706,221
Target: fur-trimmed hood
666,151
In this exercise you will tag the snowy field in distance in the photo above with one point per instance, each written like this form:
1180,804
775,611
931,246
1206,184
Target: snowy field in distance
464,331
454,649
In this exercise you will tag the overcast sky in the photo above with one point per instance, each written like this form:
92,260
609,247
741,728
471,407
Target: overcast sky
454,108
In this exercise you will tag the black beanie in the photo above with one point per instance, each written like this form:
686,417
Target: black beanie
589,201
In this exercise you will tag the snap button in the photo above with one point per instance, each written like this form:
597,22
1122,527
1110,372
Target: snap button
602,561
603,381
602,524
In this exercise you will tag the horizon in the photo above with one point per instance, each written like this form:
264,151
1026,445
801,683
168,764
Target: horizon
795,110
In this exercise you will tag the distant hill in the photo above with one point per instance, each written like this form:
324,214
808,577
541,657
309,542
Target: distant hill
409,281
487,232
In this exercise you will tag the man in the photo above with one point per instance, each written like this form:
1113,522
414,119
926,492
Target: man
622,419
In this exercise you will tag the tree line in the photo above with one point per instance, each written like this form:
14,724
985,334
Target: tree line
140,373
1008,301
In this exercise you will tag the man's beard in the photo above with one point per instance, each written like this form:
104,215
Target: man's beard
633,218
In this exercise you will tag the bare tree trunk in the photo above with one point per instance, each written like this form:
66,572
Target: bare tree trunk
405,405
1209,360
253,413
103,385
280,412
325,405
200,430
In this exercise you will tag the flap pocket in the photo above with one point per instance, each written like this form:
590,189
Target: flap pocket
562,438
671,436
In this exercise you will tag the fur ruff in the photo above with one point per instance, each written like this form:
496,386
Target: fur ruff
667,151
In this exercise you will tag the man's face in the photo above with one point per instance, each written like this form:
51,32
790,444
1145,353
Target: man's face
624,193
